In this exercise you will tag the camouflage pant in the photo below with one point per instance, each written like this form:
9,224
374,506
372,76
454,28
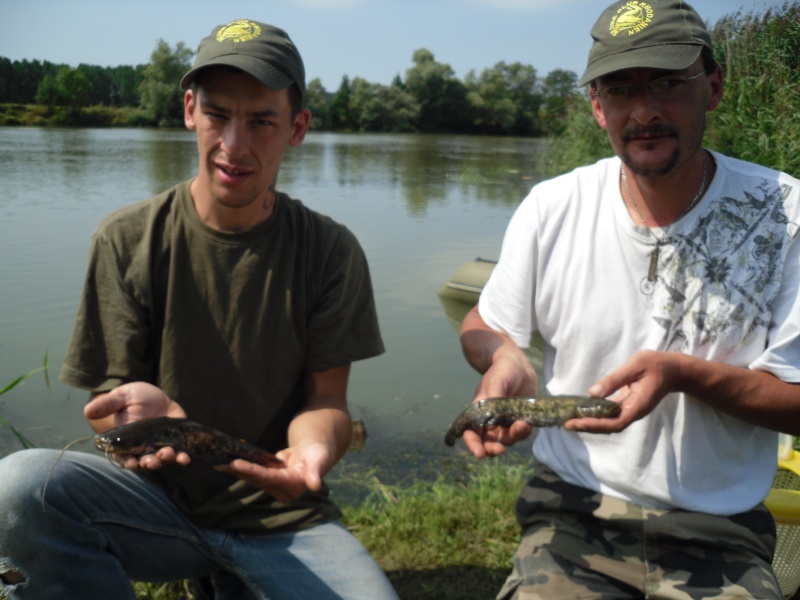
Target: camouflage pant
580,544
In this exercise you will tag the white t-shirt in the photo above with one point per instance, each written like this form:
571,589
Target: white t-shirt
574,266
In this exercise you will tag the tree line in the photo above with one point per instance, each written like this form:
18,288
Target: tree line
507,99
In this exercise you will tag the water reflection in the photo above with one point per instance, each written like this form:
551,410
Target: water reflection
170,157
426,168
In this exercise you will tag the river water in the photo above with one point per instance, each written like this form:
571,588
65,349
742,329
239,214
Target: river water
420,205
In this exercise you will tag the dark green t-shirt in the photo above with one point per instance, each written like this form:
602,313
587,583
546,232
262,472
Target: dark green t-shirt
226,324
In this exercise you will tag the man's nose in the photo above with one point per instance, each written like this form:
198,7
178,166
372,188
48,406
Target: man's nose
234,139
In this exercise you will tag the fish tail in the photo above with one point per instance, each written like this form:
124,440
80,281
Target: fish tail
450,437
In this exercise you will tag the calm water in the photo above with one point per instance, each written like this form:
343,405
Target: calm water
420,205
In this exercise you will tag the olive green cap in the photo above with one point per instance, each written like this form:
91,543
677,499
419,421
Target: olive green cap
258,49
658,34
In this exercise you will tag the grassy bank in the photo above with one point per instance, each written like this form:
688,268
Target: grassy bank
444,539
91,116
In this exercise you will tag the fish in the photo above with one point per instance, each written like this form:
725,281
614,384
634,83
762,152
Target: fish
544,411
202,443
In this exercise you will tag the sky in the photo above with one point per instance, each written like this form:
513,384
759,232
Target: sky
371,39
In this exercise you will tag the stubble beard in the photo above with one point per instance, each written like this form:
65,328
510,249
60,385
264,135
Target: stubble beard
238,201
675,160
664,168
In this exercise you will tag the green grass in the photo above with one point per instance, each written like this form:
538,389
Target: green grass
444,523
26,443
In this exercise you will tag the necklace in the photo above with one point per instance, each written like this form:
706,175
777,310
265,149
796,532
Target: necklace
651,273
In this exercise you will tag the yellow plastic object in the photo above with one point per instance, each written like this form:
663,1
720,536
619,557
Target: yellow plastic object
783,502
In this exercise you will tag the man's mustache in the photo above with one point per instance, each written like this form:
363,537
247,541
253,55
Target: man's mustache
640,132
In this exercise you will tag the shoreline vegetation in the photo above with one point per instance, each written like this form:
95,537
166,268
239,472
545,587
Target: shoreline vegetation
759,54
453,537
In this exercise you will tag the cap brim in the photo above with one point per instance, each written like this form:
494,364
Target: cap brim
264,72
670,57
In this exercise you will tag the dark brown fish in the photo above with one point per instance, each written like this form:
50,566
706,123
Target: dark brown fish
202,443
544,411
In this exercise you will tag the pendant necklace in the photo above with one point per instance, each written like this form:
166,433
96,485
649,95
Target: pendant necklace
651,273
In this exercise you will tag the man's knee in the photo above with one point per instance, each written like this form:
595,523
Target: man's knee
23,475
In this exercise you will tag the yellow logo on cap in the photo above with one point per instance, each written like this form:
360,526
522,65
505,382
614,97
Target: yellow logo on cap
632,17
240,30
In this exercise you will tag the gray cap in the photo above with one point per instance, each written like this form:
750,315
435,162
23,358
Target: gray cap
659,34
261,50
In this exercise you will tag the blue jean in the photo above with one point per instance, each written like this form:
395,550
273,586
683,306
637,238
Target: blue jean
100,526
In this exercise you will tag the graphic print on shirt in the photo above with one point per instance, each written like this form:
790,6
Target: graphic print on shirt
717,282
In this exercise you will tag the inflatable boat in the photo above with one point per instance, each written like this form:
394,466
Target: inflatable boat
467,282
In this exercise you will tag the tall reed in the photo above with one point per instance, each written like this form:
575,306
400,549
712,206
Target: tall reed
758,118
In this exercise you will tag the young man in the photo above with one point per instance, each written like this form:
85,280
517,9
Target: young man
665,278
225,301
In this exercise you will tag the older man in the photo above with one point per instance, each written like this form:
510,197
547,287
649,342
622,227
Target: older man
666,278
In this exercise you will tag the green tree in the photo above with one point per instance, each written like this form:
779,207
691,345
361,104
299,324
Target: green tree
69,87
340,112
380,108
317,103
125,83
160,94
559,91
6,80
26,79
442,99
504,99
100,84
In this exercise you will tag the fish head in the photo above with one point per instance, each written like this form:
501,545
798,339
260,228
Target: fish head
600,408
111,443
103,442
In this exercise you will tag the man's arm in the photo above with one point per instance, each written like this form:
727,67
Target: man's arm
506,371
639,384
756,397
325,420
318,438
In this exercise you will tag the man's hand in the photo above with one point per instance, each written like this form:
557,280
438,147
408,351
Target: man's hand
133,402
638,385
506,370
305,465
493,442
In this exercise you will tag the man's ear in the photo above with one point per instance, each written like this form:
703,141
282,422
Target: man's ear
188,110
716,89
597,110
301,122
